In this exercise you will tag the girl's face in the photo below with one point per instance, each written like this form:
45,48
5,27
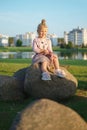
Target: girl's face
42,32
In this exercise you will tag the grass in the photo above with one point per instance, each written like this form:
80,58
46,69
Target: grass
28,48
15,49
78,102
8,110
27,61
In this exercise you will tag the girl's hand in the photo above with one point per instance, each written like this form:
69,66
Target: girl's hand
42,51
45,52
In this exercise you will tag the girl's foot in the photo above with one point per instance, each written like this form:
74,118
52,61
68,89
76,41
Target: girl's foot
46,76
60,73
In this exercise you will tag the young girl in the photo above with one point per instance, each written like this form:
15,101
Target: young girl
44,53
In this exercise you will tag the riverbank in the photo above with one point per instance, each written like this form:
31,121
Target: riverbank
27,49
78,102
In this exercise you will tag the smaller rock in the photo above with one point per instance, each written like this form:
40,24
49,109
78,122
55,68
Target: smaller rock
11,88
48,115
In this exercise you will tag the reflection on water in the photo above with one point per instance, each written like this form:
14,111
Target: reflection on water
14,55
61,55
73,55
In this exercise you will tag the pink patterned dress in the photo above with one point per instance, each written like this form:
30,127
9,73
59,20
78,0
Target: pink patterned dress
39,44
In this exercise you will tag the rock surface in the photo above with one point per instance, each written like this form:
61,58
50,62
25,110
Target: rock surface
20,74
11,88
45,114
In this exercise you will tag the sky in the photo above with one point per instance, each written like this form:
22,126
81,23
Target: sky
21,16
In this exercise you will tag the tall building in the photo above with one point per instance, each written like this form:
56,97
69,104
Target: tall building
76,36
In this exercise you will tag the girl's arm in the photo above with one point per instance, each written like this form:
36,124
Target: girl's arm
50,46
36,48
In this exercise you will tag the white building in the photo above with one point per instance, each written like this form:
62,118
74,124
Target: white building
26,38
76,36
4,40
31,36
54,39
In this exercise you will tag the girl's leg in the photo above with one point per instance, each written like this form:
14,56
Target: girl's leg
56,62
44,66
58,71
45,74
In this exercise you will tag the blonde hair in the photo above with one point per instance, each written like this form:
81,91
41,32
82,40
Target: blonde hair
42,25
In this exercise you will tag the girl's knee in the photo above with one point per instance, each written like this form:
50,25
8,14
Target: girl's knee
55,56
44,63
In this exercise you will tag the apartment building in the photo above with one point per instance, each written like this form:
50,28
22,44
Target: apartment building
26,38
76,36
53,38
4,40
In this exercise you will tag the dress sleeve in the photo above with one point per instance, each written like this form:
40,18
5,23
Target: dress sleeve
50,46
36,49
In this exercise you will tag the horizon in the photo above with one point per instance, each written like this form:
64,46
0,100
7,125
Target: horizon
19,17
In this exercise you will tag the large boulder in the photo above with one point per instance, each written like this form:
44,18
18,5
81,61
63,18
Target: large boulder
20,74
45,114
57,88
11,88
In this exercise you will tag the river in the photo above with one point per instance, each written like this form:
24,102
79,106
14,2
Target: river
61,55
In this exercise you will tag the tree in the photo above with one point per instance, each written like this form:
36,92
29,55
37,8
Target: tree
63,45
19,42
69,45
61,40
11,41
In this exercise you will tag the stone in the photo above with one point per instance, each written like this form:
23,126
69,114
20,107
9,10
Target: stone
20,74
45,114
56,89
11,88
